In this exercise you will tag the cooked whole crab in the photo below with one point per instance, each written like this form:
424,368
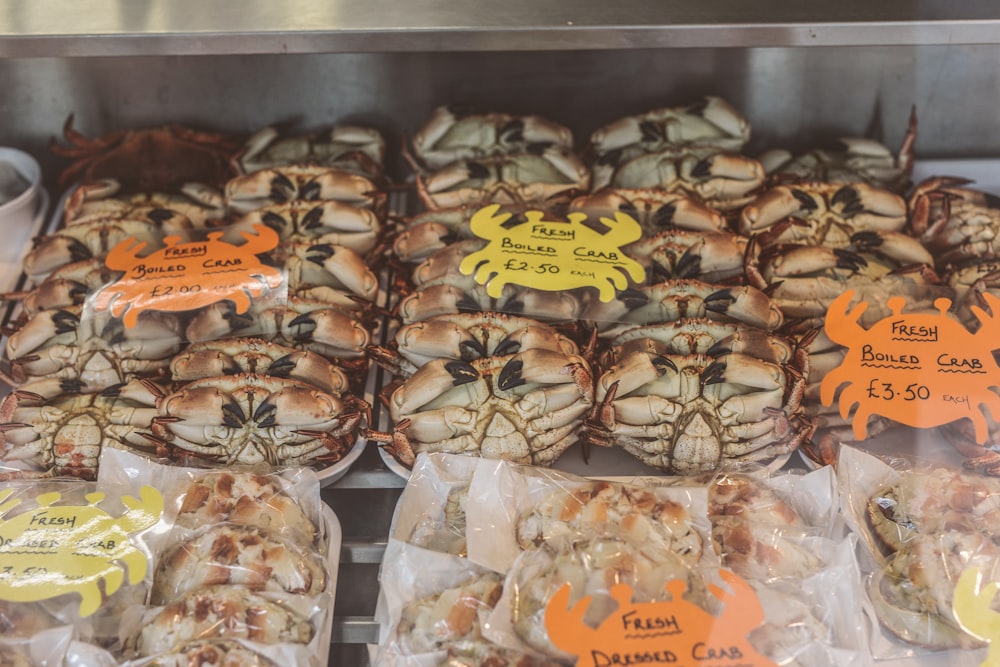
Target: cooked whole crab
90,355
467,336
722,181
711,121
102,200
462,294
94,240
456,132
855,160
302,323
61,434
685,411
524,407
251,419
713,257
547,176
675,299
312,222
301,182
956,223
148,160
68,285
655,210
350,147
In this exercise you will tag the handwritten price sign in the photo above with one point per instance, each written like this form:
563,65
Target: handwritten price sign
918,369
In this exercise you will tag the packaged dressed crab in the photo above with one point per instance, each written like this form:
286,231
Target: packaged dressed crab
928,529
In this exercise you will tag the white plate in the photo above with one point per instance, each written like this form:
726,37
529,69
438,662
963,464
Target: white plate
17,242
330,475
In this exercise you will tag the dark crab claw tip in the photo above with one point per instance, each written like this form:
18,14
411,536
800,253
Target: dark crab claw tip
846,195
305,319
689,265
510,375
538,148
662,364
471,349
714,373
318,254
281,182
719,301
160,215
280,367
650,131
78,252
512,131
805,199
717,349
72,385
867,239
238,321
611,158
468,305
264,415
703,169
112,391
477,170
78,290
233,415
633,298
313,218
664,216
462,372
310,191
507,346
849,260
697,108
273,220
628,207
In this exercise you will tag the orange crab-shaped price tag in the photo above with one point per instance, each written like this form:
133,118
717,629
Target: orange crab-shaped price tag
187,275
671,632
54,549
553,255
973,607
918,369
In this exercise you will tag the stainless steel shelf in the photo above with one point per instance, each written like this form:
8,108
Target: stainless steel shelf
55,28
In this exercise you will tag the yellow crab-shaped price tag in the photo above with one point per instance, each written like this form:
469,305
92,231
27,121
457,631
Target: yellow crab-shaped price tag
553,255
972,605
55,549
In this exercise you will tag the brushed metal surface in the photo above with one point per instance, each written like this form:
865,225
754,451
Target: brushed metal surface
175,27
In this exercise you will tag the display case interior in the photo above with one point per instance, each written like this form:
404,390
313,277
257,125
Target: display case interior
862,79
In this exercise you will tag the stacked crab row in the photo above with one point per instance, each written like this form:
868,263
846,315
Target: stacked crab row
705,378
266,379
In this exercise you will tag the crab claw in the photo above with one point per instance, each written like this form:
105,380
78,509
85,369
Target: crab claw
747,304
334,332
901,247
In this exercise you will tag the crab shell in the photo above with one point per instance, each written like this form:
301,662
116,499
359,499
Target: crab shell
327,221
350,147
523,408
468,336
302,323
301,182
62,434
251,419
100,199
454,133
687,413
456,293
94,240
147,160
547,176
855,160
723,181
676,299
711,121
956,223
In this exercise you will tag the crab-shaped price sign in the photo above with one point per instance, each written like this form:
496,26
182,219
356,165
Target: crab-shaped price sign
188,275
553,255
973,607
918,369
55,549
672,631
